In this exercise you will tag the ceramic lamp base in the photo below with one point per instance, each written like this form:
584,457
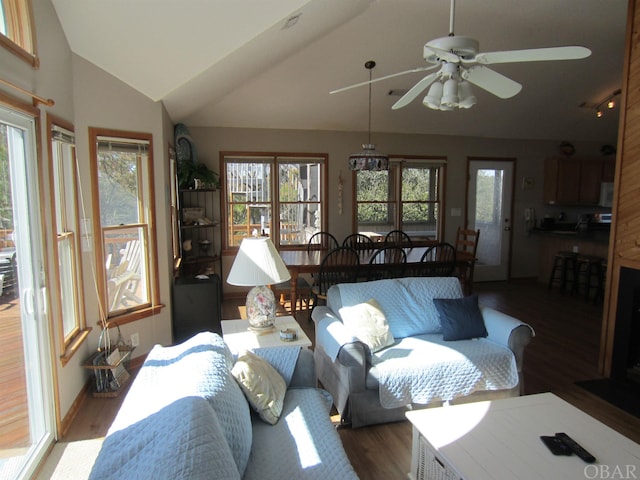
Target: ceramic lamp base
261,308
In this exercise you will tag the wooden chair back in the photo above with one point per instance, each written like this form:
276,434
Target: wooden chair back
387,262
467,241
322,241
438,261
466,248
397,238
359,242
339,265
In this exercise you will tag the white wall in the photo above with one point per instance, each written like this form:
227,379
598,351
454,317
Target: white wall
529,157
103,101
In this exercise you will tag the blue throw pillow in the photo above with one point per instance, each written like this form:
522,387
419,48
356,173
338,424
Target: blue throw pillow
461,318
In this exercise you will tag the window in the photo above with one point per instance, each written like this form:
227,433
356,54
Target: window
258,188
64,190
16,29
408,197
126,246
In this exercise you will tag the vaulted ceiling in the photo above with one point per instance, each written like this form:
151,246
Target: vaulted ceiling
271,64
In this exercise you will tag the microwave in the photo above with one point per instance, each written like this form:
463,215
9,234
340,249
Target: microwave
606,194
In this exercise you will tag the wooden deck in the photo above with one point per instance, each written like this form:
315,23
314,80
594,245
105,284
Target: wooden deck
14,420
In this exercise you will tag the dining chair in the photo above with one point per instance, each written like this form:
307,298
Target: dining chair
466,247
397,238
339,265
438,261
303,293
387,262
322,241
359,242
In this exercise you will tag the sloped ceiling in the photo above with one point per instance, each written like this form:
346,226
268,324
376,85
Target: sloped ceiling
237,64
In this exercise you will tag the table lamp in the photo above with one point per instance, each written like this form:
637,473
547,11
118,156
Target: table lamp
257,265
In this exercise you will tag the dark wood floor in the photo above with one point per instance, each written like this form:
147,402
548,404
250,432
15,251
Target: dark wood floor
565,350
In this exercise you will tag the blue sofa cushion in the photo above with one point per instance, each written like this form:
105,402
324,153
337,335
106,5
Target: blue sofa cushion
461,318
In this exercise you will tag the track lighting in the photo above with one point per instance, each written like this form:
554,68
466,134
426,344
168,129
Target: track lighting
609,102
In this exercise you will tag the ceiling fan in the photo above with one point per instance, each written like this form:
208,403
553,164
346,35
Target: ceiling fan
460,64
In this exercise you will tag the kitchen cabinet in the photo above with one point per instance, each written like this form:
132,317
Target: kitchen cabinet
574,181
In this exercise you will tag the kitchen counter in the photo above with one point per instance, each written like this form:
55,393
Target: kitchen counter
595,235
590,242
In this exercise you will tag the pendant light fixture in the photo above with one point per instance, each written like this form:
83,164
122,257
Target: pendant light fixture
368,158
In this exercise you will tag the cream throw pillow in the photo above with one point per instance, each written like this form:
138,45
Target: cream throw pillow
263,386
368,322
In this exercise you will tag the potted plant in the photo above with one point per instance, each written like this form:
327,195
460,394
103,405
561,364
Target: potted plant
189,172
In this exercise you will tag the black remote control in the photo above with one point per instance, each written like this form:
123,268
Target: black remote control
576,447
556,445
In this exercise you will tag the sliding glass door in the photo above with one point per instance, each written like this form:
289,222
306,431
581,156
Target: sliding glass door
26,404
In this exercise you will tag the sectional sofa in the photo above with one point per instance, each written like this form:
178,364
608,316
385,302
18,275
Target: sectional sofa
193,413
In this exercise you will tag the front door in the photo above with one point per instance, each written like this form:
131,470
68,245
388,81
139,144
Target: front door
490,203
26,406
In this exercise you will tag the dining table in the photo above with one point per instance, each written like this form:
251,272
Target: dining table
308,261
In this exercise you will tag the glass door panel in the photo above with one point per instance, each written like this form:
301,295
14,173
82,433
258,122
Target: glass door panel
26,412
489,210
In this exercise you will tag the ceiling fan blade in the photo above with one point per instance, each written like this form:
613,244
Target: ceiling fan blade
491,81
414,70
416,90
533,55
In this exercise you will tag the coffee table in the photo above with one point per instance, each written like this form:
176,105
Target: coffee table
501,439
238,337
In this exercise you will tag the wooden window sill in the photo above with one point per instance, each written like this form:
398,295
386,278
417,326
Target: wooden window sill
74,345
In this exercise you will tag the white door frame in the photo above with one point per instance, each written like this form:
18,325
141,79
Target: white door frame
503,270
24,177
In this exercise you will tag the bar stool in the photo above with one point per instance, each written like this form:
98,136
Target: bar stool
563,270
589,275
599,296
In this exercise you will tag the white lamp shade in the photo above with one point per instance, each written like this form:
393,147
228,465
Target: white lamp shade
466,97
257,263
450,93
433,98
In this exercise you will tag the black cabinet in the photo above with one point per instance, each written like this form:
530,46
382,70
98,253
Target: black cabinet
197,306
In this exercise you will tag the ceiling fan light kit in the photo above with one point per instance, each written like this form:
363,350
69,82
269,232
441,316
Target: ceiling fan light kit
460,64
450,91
368,158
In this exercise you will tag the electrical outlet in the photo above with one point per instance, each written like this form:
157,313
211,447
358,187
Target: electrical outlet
135,339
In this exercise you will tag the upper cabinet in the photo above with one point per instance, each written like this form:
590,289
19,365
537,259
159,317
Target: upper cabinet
574,181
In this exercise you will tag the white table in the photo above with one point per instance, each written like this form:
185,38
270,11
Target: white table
501,439
238,337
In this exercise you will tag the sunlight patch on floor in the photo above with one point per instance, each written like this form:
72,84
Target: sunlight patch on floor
71,460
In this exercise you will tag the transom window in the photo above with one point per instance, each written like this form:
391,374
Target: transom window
16,29
407,197
280,195
122,170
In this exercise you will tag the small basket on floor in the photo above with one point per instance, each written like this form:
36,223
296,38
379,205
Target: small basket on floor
110,365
